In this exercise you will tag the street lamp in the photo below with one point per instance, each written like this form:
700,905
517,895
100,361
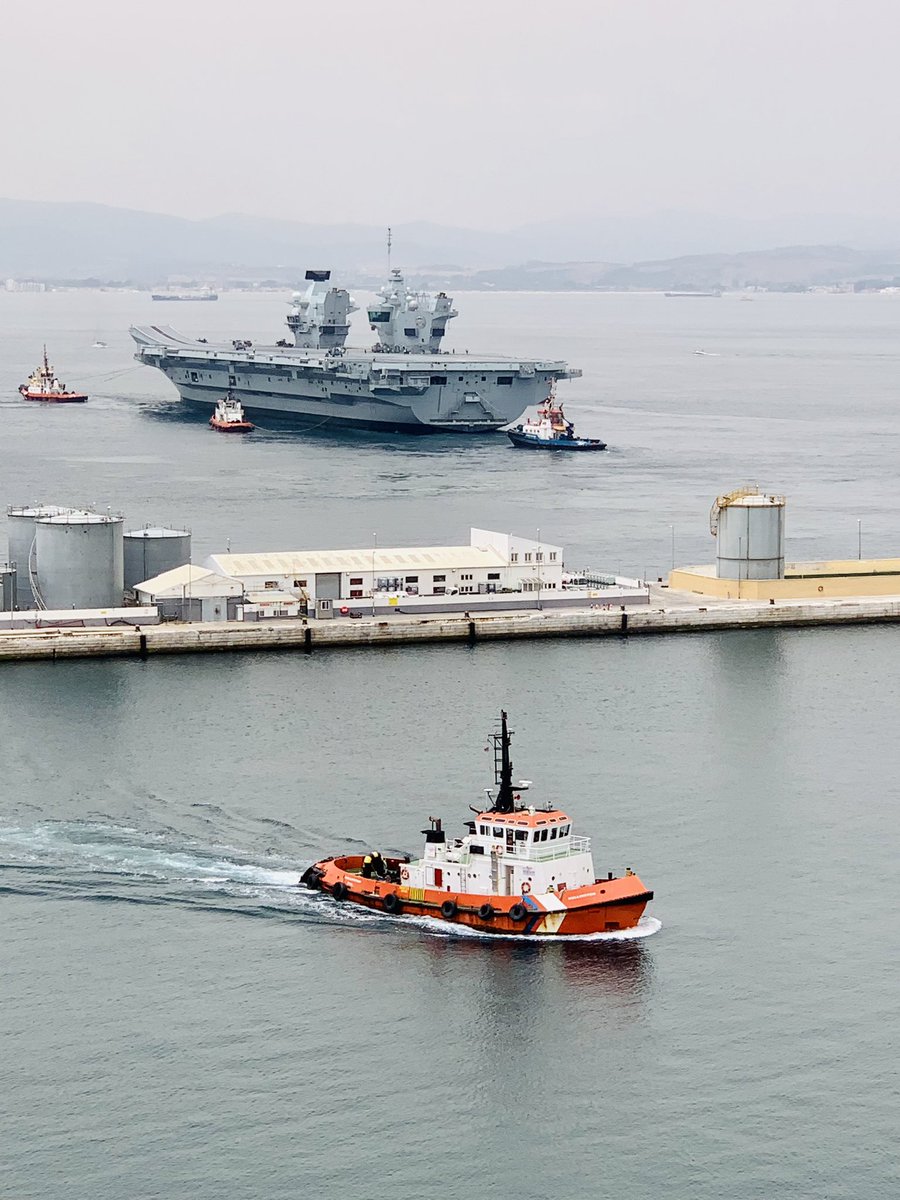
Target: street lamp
859,538
540,556
374,549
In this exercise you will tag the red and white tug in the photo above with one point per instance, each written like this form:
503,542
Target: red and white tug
520,870
43,385
229,416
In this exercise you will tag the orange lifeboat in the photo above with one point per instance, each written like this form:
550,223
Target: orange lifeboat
229,416
43,384
520,870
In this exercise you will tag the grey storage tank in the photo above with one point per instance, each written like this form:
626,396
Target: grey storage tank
749,529
152,551
20,522
79,560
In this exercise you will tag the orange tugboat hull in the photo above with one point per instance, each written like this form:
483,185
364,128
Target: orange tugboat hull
230,426
602,907
54,397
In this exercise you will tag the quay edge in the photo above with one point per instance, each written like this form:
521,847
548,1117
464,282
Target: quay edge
226,636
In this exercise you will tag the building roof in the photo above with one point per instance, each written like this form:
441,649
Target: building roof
383,562
189,581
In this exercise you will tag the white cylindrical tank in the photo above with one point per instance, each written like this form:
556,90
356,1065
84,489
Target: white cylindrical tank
20,523
150,552
749,535
79,560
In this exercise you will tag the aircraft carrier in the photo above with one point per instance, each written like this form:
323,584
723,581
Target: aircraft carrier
404,383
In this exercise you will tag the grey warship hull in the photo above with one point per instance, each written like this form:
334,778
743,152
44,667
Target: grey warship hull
421,393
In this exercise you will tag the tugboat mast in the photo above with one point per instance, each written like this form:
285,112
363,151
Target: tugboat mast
505,802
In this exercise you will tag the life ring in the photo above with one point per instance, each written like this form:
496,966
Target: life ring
526,888
449,909
392,904
344,610
518,912
486,912
340,890
404,873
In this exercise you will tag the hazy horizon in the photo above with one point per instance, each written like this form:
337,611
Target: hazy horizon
480,116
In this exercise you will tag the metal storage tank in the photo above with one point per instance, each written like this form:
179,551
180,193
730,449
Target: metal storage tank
749,530
152,551
79,561
20,529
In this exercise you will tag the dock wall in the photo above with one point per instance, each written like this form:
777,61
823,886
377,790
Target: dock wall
293,635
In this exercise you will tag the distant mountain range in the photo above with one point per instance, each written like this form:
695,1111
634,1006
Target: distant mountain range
61,240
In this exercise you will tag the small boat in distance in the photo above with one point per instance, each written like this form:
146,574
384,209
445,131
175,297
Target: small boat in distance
99,345
519,870
42,384
551,430
229,416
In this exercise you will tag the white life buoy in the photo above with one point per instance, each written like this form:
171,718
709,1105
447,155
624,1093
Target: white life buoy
526,888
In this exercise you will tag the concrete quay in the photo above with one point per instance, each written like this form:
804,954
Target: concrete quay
668,613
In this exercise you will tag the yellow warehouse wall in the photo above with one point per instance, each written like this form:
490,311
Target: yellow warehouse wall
802,581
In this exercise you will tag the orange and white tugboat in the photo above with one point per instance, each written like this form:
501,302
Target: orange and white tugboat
520,870
43,385
229,416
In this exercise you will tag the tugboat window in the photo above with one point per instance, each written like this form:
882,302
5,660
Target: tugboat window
521,835
498,832
552,833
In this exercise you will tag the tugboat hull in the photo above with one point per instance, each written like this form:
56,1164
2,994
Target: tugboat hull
527,441
53,397
602,907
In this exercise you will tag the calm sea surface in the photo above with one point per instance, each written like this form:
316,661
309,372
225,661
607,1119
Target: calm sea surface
177,1020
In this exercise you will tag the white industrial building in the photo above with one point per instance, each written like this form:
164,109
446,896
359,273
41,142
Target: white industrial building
491,563
190,593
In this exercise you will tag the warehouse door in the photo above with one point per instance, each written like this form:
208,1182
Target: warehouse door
328,585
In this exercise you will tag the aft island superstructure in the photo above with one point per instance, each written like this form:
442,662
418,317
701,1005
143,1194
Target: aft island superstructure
405,382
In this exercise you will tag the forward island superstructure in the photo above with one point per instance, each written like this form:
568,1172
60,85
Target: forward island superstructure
404,383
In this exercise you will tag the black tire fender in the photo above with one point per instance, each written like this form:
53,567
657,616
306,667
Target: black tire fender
449,910
486,912
393,904
340,890
518,912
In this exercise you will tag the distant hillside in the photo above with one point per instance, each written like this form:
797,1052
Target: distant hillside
48,240
784,268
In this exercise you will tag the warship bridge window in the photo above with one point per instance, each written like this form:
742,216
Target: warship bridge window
553,556
505,380
439,579
356,582
528,556
299,583
493,574
411,579
514,557
439,379
410,332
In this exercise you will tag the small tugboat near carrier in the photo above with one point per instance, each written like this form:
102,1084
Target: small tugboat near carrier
229,416
42,384
551,430
520,870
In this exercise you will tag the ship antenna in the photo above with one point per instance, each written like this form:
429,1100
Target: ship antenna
389,250
505,802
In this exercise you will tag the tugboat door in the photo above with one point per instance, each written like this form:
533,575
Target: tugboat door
508,889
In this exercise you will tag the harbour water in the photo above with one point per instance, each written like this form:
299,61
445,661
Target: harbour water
178,1019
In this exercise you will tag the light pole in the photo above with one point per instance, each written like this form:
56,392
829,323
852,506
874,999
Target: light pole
540,557
859,538
672,527
374,549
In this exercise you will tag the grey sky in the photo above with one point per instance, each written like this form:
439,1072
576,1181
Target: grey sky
476,112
